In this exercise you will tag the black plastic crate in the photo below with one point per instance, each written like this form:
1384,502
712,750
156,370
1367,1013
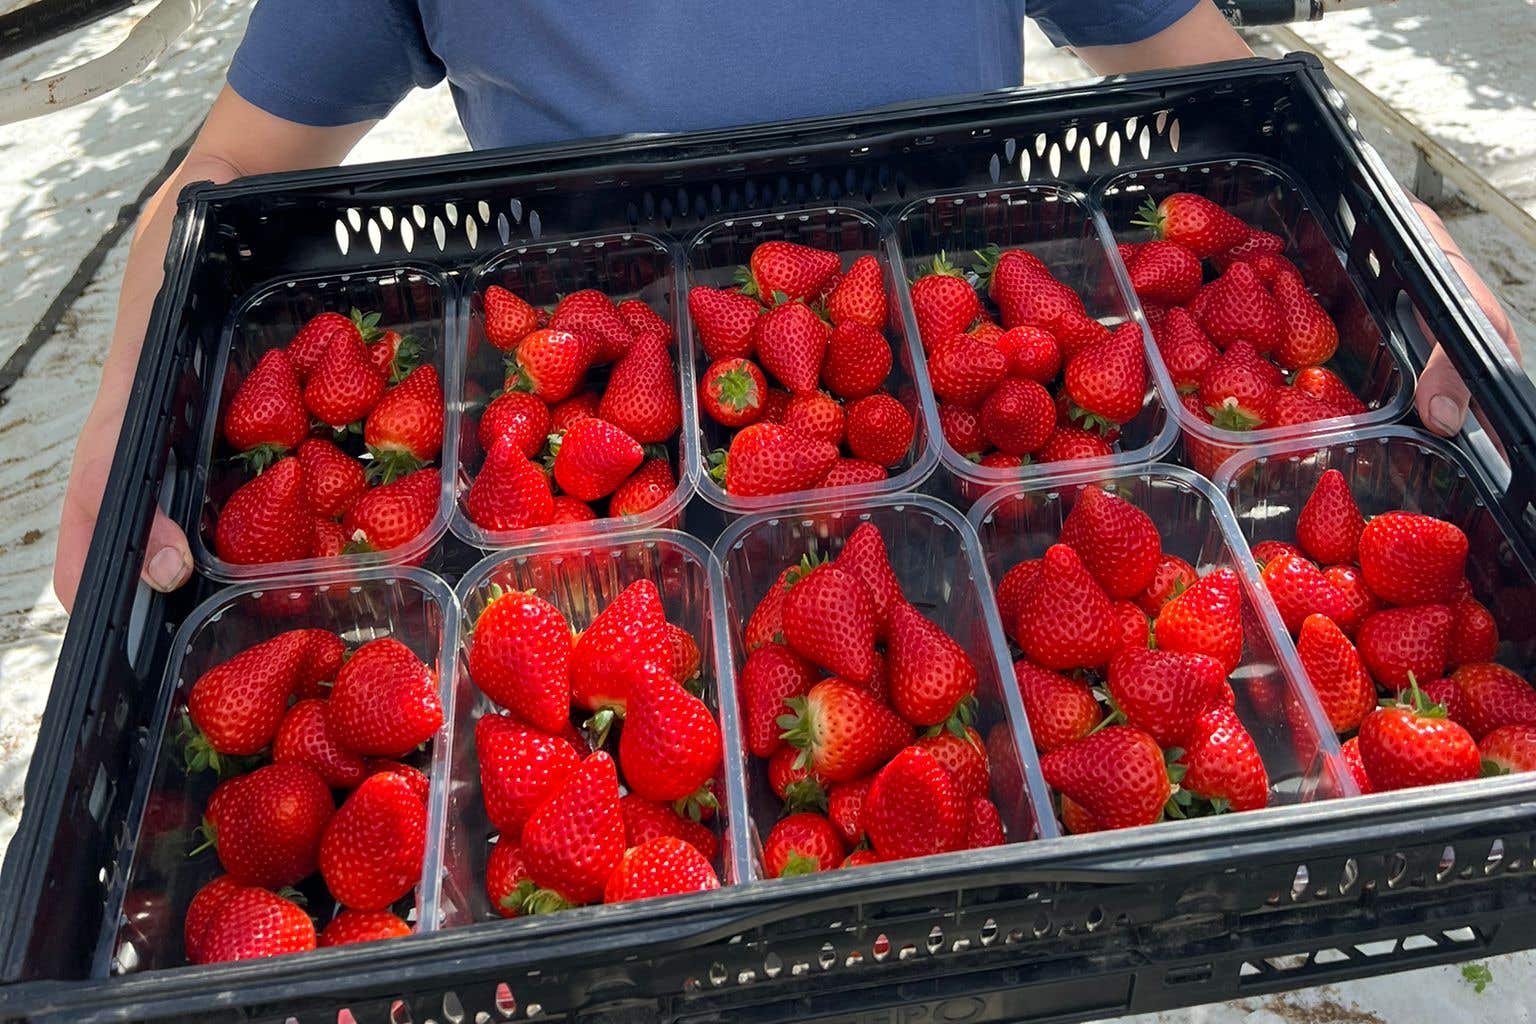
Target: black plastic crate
1056,928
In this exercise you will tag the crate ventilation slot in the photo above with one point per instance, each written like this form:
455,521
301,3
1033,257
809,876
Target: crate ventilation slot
1325,960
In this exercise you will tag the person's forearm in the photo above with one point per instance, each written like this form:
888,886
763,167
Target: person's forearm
1200,37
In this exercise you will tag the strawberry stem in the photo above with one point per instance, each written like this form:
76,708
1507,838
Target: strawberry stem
390,464
598,725
1150,217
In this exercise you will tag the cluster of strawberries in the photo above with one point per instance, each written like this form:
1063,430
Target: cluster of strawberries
353,717
1171,742
817,332
859,785
1382,608
1230,343
566,837
339,377
558,450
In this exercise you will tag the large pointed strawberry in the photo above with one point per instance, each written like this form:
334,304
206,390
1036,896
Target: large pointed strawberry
859,297
1413,743
1236,388
1060,709
1011,591
1310,337
1117,541
1329,525
802,844
519,768
1117,775
649,486
845,808
249,923
1399,642
516,415
1018,417
1108,381
816,414
575,839
508,318
1064,621
238,704
1165,273
344,386
520,657
864,556
1009,274
304,738
1300,589
789,269
266,520
1337,673
1493,696
943,302
911,809
829,618
641,397
373,847
593,458
1163,692
266,416
625,644
593,315
396,513
964,755
931,676
385,702
1196,223
404,430
842,731
670,746
1241,309
333,480
791,342
313,339
1206,619
551,363
510,492
269,826
1222,763
1186,350
664,866
965,371
857,362
772,674
725,320
201,910
1410,558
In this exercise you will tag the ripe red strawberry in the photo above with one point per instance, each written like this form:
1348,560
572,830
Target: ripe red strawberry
1266,551
266,415
767,458
732,392
931,676
1205,619
1492,696
664,866
880,430
842,731
829,619
1108,381
330,539
724,320
304,738
686,659
269,826
395,513
385,702
791,343
1036,299
566,414
1069,444
520,657
1359,602
965,371
1075,332
1190,359
943,302
575,839
413,776
1011,592
321,663
519,768
766,623
986,826
774,404
1237,387
1337,673
1239,308
309,344
816,414
568,510
789,269
1018,417
1116,775
372,851
1300,589
507,883
1328,528
551,363
642,398
394,355
1356,767
1398,642
333,480
516,415
802,844
1117,542
509,492
1008,274
670,746
1510,748
857,362
405,429
201,910
1222,763
1414,744
964,755
961,427
625,645
851,473
1290,406
1205,456
593,458
1064,622
795,784
1325,385
1474,633
1163,692
645,820
1256,244
645,322
266,519
1165,273
859,298
344,385
845,809
650,485
251,923
1195,222
590,313
1032,353
1309,338
912,808
352,926
1060,709
1409,558
508,319
238,704
865,558
1171,577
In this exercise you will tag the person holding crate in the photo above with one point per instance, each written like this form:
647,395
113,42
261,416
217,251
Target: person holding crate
310,80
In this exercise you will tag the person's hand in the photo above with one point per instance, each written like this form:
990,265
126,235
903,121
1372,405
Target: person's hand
1441,397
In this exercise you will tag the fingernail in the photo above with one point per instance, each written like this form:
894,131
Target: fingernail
167,569
1445,414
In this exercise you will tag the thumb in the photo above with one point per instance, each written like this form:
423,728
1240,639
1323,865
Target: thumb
1441,398
167,559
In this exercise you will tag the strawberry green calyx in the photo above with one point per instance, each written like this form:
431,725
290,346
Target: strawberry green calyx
367,324
1150,217
407,358
717,459
736,390
805,795
255,460
1415,700
390,464
533,900
943,267
1231,416
799,729
209,834
799,864
1091,421
696,803
809,562
958,721
199,756
598,726
1178,800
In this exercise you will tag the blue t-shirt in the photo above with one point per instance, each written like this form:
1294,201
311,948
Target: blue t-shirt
551,70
